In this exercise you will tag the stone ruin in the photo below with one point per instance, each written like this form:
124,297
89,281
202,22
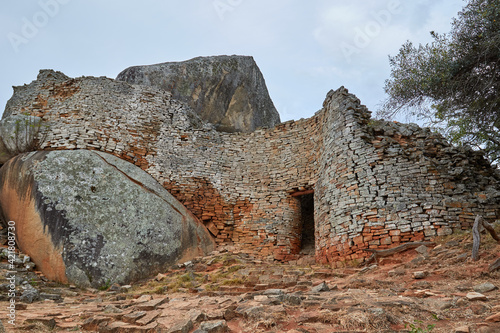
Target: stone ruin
339,182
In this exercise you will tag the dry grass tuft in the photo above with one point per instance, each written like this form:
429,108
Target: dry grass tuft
358,320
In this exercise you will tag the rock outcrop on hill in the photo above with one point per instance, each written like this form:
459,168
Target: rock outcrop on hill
90,218
227,91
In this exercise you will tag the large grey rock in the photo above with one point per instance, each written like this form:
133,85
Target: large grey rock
18,134
484,287
92,219
227,91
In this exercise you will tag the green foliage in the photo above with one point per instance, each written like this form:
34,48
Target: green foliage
33,282
415,327
106,285
161,290
454,82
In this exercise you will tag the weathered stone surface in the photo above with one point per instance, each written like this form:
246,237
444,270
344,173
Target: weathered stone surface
273,292
485,287
30,295
320,288
153,304
148,318
423,250
216,326
90,218
227,91
183,326
16,103
132,318
378,302
420,274
473,296
18,134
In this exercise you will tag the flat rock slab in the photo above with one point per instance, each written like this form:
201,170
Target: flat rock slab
473,296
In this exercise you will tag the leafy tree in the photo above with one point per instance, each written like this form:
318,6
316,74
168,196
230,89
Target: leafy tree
454,82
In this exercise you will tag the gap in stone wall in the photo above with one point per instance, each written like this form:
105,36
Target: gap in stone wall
307,223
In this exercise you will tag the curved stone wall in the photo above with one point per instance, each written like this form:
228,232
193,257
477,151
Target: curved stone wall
381,183
376,184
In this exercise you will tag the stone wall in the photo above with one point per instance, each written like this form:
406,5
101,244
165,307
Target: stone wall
376,184
384,183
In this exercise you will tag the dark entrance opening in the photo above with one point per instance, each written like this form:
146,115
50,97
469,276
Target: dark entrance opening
307,222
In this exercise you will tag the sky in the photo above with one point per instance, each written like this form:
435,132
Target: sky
303,49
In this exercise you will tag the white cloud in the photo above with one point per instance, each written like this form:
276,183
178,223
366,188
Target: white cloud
296,44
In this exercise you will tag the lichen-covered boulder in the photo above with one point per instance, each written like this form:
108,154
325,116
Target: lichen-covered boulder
227,91
90,218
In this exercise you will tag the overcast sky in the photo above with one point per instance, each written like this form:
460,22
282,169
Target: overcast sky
303,49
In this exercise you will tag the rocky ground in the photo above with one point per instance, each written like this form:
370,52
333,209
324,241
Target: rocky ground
230,292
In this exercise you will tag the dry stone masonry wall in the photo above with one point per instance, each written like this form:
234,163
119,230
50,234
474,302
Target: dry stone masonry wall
376,184
383,183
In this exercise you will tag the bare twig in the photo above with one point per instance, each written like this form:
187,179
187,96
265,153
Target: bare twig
491,230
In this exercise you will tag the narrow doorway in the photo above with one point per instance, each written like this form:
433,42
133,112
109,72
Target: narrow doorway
307,222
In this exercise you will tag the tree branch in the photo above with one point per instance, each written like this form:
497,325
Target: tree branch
476,236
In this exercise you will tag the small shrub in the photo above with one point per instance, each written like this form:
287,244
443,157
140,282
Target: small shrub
233,282
234,268
187,280
415,327
106,285
161,290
